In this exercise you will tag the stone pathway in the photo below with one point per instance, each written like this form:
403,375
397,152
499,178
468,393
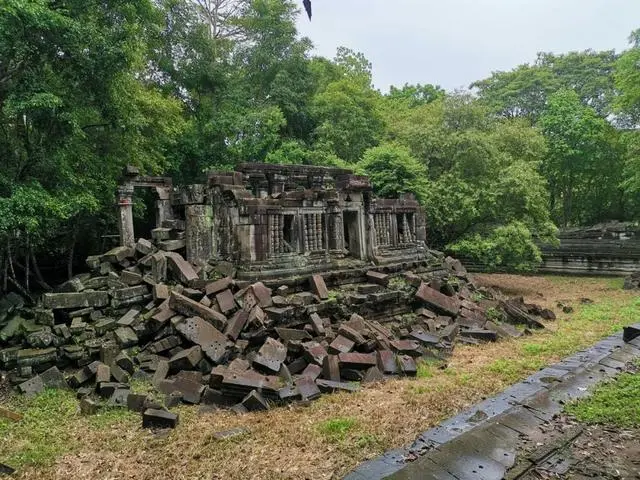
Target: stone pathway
512,434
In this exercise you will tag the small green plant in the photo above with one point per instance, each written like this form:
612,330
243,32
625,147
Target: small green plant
336,429
616,402
399,283
453,281
477,297
494,314
534,348
427,368
333,295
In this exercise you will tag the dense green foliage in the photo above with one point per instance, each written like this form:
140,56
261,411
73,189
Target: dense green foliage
186,86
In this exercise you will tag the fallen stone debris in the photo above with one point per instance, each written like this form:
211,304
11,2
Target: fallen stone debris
632,282
145,314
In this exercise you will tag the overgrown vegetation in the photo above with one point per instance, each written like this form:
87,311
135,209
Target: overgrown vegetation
182,86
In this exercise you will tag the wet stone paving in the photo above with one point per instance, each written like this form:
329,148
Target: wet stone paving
518,434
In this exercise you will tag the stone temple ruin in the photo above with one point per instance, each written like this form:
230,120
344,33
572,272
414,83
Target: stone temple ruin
267,285
280,220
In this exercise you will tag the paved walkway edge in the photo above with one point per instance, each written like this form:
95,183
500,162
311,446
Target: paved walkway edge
543,393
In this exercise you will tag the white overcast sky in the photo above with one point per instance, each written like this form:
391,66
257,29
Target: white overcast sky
454,42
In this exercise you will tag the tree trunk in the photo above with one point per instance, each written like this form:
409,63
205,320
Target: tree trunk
36,270
4,272
26,264
71,252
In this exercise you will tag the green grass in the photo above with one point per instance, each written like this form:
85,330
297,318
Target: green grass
616,402
513,370
42,434
48,427
588,324
348,434
428,368
336,429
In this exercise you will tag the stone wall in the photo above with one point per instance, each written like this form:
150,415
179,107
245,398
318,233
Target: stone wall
603,249
271,221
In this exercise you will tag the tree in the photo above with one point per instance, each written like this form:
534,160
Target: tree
222,17
508,246
588,73
583,164
348,121
521,92
627,78
524,91
77,103
483,184
394,171
416,95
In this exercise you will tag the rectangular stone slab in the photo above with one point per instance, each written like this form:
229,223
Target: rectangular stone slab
314,352
407,365
319,287
437,300
263,294
307,388
316,323
29,357
271,355
312,371
189,307
341,345
128,318
218,286
331,368
361,361
292,334
129,292
226,302
159,419
118,254
250,380
387,362
480,334
407,347
75,300
236,324
351,334
378,278
329,386
202,333
424,337
186,359
181,268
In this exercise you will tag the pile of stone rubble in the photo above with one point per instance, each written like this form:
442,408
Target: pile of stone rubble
145,316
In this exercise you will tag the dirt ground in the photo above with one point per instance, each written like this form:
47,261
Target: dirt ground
606,452
547,291
295,443
598,451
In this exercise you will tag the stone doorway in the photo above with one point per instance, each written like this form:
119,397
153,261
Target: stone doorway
351,222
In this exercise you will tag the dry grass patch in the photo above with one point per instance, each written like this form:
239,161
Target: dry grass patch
327,438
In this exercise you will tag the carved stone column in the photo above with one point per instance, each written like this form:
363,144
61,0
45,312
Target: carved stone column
125,216
199,233
164,211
